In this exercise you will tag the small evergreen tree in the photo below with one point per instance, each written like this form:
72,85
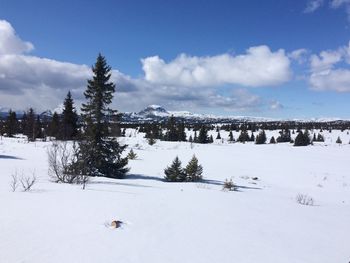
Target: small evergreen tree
38,128
11,124
243,137
30,125
230,137
339,141
132,155
175,172
272,140
302,139
261,138
218,136
193,170
320,138
69,126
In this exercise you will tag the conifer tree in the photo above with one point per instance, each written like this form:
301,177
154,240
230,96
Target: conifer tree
211,139
339,141
54,126
174,172
193,170
172,133
195,138
320,138
181,132
69,126
203,135
230,137
30,125
243,137
99,154
218,136
38,129
272,140
11,124
302,139
132,155
261,138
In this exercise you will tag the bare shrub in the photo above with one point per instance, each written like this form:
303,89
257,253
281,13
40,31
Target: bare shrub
61,157
14,182
304,199
229,185
27,182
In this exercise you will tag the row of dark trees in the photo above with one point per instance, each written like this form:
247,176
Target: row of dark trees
63,127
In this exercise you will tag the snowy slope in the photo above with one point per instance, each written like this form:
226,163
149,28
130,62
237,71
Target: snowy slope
183,222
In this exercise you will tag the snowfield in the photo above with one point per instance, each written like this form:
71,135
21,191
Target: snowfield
183,222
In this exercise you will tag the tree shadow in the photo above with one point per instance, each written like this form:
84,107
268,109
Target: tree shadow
117,183
9,157
143,177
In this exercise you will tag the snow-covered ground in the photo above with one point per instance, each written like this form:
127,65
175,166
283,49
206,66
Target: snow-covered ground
183,222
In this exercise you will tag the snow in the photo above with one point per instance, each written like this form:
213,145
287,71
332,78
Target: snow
183,222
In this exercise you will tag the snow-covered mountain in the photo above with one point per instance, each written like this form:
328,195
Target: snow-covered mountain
157,112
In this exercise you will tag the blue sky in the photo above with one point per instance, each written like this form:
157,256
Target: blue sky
287,59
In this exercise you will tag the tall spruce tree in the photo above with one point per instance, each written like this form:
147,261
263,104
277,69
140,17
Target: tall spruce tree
30,125
38,128
203,135
99,154
172,132
54,126
69,127
11,124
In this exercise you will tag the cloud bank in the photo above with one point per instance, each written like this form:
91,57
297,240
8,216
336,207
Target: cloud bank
258,67
187,82
330,70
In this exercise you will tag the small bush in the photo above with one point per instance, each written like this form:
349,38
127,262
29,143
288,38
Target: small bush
14,182
304,199
27,182
132,155
229,185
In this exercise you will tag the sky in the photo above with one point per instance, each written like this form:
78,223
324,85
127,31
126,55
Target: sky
271,58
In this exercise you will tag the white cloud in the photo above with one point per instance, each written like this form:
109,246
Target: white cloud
30,81
257,67
313,5
330,70
339,3
298,55
10,43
